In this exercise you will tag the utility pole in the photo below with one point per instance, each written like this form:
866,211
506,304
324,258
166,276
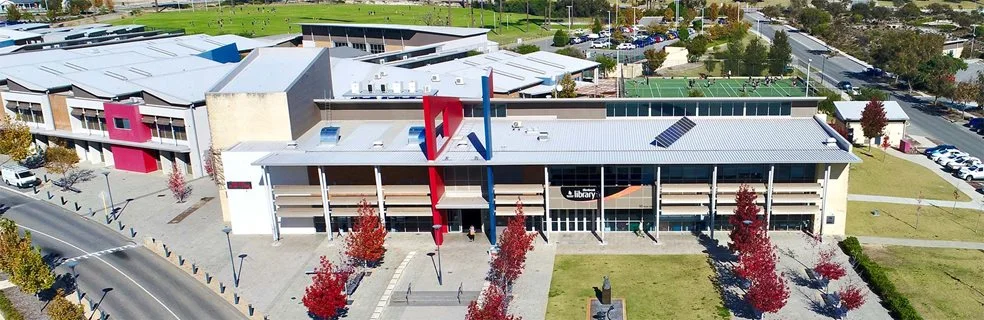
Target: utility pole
676,20
549,22
618,63
500,12
527,15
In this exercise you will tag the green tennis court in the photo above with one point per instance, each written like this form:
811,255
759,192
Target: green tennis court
735,87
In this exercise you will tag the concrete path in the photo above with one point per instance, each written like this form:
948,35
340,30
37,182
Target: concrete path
4,284
976,202
935,203
921,243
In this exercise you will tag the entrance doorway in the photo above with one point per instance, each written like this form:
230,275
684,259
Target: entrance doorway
471,217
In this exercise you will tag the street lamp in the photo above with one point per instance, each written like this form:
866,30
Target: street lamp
232,259
610,24
75,277
570,17
808,62
440,269
112,204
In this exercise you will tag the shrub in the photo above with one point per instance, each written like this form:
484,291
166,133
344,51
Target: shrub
7,309
897,304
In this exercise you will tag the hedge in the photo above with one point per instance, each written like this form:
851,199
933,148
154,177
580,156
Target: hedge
8,310
897,304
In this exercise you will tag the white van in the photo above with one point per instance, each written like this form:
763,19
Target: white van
18,175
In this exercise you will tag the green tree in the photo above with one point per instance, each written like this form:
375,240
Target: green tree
755,57
714,11
30,272
780,54
654,59
619,36
772,11
869,93
668,15
814,21
684,33
571,52
596,26
827,106
53,9
9,243
607,64
695,93
909,11
568,87
526,48
60,160
13,13
78,6
938,75
15,138
903,52
732,57
696,47
655,28
560,38
61,309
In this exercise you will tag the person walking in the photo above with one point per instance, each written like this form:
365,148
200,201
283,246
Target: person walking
471,233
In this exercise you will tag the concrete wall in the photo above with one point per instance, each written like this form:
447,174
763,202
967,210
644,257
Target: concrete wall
895,130
249,211
302,111
235,117
836,198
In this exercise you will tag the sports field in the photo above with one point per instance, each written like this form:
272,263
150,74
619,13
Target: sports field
676,88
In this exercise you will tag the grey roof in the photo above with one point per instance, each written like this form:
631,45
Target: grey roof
513,71
34,57
26,26
345,73
49,75
117,81
454,31
72,28
270,70
851,110
346,52
714,140
176,46
10,34
185,88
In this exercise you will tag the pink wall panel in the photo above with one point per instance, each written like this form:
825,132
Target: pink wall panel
138,132
134,159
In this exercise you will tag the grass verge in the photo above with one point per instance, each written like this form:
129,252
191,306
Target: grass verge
940,283
900,221
884,175
897,304
7,309
653,286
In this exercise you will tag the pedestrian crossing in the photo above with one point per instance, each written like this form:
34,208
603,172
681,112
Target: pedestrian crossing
100,253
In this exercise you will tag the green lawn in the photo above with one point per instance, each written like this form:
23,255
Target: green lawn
654,286
883,175
923,4
246,20
940,283
899,221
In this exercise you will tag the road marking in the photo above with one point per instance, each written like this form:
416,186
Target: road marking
99,253
24,193
111,266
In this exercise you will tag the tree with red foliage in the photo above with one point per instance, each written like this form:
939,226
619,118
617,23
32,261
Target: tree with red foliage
513,245
746,210
768,293
873,120
325,297
827,268
852,297
494,306
364,244
841,130
176,183
757,264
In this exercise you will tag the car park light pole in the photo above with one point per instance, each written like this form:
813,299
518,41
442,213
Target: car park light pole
112,205
570,17
808,62
440,269
232,259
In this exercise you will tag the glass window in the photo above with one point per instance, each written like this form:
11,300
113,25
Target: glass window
179,134
610,109
686,174
376,48
795,173
341,44
121,123
165,131
360,46
575,176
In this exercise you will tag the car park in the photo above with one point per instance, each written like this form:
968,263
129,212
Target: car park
18,175
942,153
954,156
971,173
967,161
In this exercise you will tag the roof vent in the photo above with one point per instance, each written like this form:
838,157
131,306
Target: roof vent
830,142
435,78
427,89
355,87
516,125
543,136
382,73
377,144
531,131
136,100
462,143
329,135
459,81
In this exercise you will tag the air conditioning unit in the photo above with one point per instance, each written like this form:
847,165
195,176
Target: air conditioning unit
396,87
516,125
459,81
427,89
377,76
412,86
435,78
355,87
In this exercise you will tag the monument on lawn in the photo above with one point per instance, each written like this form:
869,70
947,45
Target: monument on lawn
606,291
603,307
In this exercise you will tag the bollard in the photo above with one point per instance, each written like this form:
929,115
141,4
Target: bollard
181,260
63,202
120,223
91,213
35,189
49,194
45,177
194,268
250,308
103,315
108,221
133,234
222,288
208,278
77,206
235,298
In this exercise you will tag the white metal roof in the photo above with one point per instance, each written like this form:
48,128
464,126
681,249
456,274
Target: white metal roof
185,88
454,31
513,71
118,81
270,70
851,110
49,75
10,34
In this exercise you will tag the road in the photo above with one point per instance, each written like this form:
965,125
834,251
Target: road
546,44
133,283
840,68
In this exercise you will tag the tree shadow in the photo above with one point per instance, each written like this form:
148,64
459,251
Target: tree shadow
724,279
68,181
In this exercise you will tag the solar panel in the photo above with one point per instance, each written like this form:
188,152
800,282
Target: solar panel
329,135
674,132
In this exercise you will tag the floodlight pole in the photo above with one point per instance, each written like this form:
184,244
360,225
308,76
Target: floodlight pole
808,62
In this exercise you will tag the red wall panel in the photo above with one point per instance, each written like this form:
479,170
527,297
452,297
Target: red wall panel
134,159
138,132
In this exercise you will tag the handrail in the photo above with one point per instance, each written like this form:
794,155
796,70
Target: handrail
409,285
460,291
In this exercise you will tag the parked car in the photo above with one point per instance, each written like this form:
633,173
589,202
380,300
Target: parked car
593,36
942,154
845,85
953,156
605,34
575,40
930,151
971,173
18,175
625,46
976,125
599,44
963,162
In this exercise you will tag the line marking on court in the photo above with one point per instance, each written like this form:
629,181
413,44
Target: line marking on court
108,264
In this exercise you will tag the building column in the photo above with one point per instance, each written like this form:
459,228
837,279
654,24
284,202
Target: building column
714,196
546,201
823,198
324,201
601,203
768,196
81,150
379,196
658,198
273,206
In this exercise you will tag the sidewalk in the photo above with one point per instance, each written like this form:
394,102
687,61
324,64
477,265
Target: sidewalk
936,203
921,243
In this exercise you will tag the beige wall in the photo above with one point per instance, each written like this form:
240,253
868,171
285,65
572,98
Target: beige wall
59,112
836,198
895,130
235,117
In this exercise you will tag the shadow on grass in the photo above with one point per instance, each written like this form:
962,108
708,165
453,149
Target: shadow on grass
726,282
